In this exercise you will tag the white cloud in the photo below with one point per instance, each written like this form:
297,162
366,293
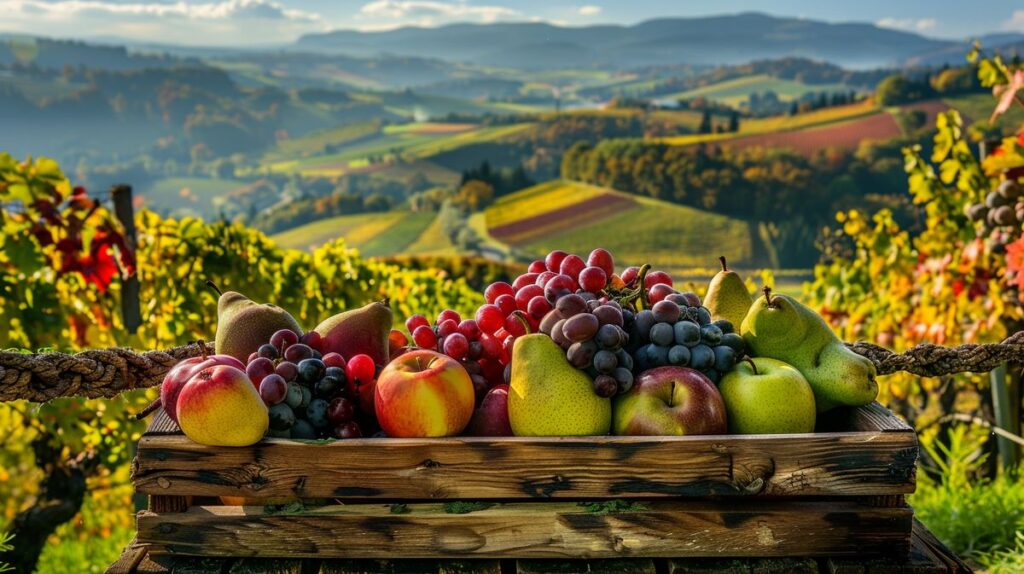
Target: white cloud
589,10
429,10
1016,22
223,22
911,24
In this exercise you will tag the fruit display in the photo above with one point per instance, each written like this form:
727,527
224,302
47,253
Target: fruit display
424,394
779,327
766,396
569,348
670,401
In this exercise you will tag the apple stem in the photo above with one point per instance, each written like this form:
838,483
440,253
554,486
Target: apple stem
753,366
722,259
213,286
148,410
768,296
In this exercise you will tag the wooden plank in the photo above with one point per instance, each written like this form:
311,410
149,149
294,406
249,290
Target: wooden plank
162,425
820,464
153,564
129,559
925,543
535,530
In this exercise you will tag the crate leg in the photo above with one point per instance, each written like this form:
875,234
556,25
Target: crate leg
160,503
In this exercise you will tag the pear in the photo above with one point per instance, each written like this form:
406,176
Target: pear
243,324
727,297
362,331
549,397
778,327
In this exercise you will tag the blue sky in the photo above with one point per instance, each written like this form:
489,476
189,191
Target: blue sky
248,22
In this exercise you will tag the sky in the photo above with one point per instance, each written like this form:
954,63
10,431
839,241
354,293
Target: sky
270,22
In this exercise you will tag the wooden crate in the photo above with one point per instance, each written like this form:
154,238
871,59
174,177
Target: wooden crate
837,492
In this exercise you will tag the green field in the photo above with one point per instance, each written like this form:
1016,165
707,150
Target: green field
195,196
314,143
669,236
978,108
374,234
734,91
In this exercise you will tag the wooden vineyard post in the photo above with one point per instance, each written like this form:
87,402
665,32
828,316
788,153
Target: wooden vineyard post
131,314
1003,405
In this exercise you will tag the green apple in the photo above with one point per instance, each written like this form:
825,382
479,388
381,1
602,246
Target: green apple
767,396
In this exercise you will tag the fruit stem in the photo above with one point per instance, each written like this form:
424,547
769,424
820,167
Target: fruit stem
148,410
213,286
386,302
768,297
202,348
753,366
722,259
641,277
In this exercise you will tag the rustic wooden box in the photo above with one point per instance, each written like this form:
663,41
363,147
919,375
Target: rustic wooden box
836,492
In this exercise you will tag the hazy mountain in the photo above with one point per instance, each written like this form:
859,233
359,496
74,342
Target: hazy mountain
712,40
55,54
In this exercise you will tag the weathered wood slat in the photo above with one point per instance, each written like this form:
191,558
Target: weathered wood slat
162,425
820,464
400,566
129,559
534,530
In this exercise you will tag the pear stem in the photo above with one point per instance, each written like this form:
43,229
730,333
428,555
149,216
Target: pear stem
768,297
213,286
722,259
386,302
753,367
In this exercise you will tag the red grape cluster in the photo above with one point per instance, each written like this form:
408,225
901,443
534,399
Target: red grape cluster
312,395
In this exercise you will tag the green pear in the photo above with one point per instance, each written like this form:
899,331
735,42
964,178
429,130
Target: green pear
766,396
243,324
549,397
362,331
781,328
727,297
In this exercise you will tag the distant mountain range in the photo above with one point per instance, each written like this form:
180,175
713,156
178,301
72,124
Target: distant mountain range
716,40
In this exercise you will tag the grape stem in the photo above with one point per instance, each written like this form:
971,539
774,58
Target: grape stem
638,293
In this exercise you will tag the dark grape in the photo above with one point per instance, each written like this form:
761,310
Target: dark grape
605,362
624,378
287,370
268,351
703,316
302,430
580,327
605,386
609,314
692,298
316,413
662,334
311,370
311,339
657,355
644,321
581,355
733,341
725,326
294,397
334,360
336,372
712,375
711,335
571,305
341,410
307,395
327,387
608,336
666,312
298,352
259,368
686,333
281,416
725,358
679,355
701,357
476,350
547,324
625,359
593,304
559,286
347,430
283,339
273,389
480,387
587,296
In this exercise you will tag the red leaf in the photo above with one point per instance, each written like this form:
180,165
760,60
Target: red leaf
1015,261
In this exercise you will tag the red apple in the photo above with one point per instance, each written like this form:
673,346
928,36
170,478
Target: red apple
180,374
220,407
424,394
670,401
491,418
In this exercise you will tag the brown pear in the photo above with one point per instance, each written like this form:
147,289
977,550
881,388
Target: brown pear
243,324
362,331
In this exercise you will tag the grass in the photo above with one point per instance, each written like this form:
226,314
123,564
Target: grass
188,195
432,241
785,123
648,231
314,143
374,234
737,90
